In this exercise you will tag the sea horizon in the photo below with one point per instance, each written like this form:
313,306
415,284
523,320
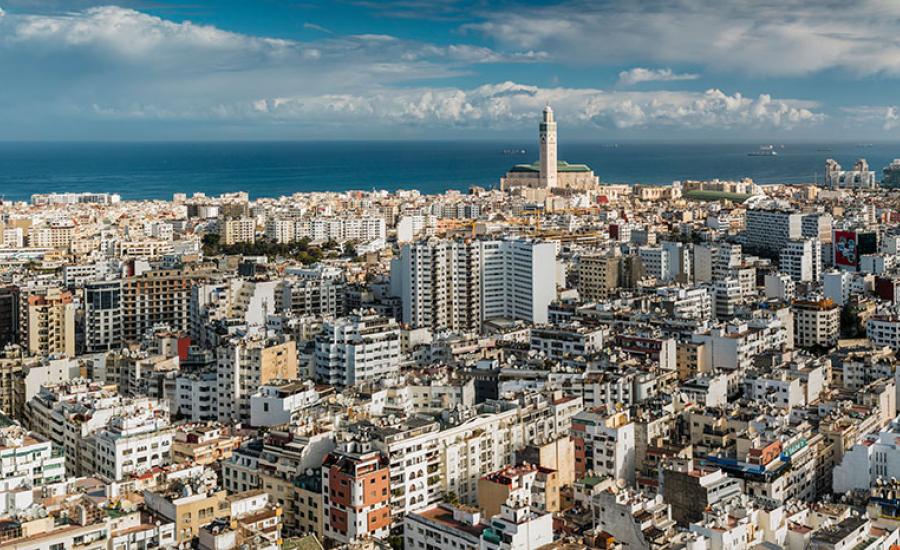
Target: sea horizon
139,170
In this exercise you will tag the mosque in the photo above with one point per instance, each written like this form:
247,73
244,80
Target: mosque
549,173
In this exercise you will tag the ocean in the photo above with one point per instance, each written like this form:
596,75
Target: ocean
268,169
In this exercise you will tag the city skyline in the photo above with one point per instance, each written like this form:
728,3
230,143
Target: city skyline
690,69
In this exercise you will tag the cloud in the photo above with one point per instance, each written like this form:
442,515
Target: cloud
640,74
891,118
509,105
887,116
768,37
110,65
314,27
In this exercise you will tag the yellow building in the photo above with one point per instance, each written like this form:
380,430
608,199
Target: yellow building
50,323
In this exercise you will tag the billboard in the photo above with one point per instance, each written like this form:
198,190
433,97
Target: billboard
845,252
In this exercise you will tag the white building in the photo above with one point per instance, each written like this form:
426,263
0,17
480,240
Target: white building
237,230
243,365
518,279
802,260
195,396
608,443
456,527
770,230
884,330
275,404
860,177
517,526
876,456
456,285
132,445
358,349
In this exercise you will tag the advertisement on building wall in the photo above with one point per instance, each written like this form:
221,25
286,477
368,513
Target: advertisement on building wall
845,252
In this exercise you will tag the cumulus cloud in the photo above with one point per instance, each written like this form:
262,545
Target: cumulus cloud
512,105
770,37
116,64
640,74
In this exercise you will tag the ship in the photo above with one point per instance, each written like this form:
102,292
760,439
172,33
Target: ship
514,152
764,151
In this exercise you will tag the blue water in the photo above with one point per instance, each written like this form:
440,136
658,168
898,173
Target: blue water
157,170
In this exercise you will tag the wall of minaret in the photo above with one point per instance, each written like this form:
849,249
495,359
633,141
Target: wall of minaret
548,149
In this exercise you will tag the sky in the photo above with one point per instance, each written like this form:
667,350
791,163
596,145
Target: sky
656,70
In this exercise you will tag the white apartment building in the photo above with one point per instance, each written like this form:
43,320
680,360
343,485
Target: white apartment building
727,296
455,527
358,349
131,445
770,230
802,260
518,526
275,404
606,444
27,460
361,229
412,227
779,286
667,262
56,235
518,279
884,330
426,462
686,303
456,285
195,396
734,346
557,342
876,456
439,282
94,426
280,230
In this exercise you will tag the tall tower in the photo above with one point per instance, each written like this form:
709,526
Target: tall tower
548,149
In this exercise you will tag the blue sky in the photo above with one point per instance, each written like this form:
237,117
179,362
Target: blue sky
433,69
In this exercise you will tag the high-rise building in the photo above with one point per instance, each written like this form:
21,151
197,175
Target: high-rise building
155,298
802,260
439,283
50,322
243,365
356,481
770,230
597,275
518,279
358,349
456,285
102,316
9,316
816,323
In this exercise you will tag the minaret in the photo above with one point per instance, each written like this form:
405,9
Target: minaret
548,149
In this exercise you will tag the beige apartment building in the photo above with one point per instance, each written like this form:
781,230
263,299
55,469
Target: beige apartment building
50,323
